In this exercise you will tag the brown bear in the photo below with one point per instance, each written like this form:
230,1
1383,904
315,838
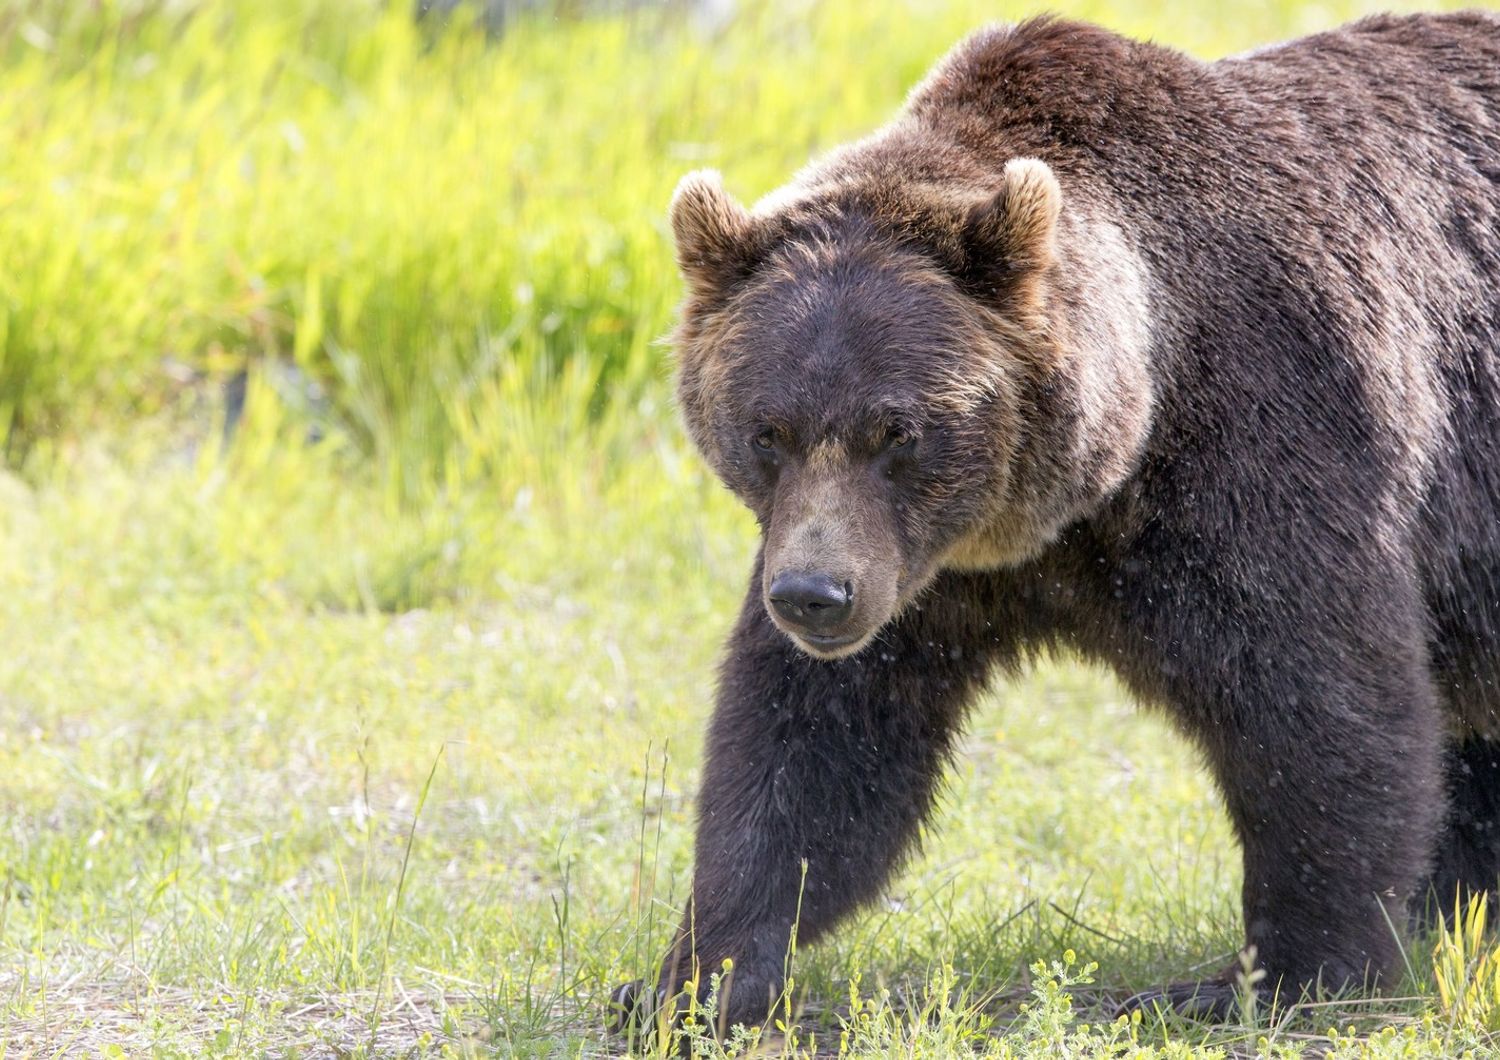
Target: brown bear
1190,368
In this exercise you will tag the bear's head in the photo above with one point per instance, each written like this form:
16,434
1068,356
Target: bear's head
864,368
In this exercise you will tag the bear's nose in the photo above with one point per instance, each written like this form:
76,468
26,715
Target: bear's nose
812,601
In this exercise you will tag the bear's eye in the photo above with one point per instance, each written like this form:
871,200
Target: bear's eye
898,438
765,440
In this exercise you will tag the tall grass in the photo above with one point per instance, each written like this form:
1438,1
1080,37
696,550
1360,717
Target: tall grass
420,222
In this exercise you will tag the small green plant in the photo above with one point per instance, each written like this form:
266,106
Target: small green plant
1047,1019
1247,979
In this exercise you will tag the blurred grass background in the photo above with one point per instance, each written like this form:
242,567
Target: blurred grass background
445,245
339,446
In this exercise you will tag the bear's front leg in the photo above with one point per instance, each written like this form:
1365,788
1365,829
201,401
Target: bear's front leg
817,778
1328,750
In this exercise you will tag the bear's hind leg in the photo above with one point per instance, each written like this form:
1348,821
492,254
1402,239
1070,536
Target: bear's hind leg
1328,747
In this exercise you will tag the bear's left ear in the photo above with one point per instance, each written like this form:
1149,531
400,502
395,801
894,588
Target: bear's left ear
1010,241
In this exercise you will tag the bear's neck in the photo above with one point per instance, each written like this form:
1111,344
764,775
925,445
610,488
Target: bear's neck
1088,415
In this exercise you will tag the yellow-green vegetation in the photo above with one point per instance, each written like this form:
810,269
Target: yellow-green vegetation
374,731
1467,967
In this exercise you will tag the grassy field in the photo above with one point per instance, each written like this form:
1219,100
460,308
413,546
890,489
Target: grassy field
375,731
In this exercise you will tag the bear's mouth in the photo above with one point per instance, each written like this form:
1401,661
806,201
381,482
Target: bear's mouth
828,641
828,646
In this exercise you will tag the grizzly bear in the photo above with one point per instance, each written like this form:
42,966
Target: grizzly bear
1189,368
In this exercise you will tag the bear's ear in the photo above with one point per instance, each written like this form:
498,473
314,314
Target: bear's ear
715,235
1010,241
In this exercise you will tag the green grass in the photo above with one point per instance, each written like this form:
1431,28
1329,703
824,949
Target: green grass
387,745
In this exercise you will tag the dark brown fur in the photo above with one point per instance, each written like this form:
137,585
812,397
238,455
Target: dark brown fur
1229,422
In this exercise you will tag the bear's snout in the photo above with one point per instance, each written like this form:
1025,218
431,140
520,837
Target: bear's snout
832,555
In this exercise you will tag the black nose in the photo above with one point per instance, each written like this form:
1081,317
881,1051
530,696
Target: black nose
813,601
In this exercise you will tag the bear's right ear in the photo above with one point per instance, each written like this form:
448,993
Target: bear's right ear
715,235
1010,241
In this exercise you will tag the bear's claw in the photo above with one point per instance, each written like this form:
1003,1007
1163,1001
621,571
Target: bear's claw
1209,1001
631,1005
